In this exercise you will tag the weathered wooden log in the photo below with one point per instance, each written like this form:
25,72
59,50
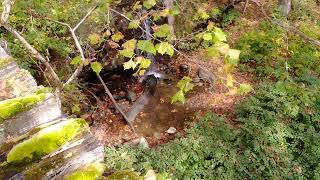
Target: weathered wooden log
41,113
14,82
35,142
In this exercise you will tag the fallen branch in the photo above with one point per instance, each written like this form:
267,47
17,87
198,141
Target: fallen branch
116,104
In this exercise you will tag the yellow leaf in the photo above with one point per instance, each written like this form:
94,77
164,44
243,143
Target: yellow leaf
117,37
229,80
129,64
142,72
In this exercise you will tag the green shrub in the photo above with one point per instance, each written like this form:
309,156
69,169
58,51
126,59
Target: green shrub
264,51
277,138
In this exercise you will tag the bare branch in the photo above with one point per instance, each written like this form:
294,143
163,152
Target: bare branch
6,4
116,104
77,43
84,18
34,54
4,18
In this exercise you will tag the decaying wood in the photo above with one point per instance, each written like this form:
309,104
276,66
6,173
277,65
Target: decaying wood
73,155
22,123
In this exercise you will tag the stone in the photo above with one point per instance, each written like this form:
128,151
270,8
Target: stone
206,76
171,130
184,68
131,96
144,143
150,175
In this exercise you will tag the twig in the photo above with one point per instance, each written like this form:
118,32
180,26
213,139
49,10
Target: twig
4,22
84,18
77,43
116,104
288,27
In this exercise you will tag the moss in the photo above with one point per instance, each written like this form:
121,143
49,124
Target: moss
124,175
11,107
5,61
90,172
46,141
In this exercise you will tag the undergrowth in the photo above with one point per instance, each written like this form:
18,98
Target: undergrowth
277,138
264,52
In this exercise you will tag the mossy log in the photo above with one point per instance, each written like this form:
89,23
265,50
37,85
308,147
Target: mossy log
36,140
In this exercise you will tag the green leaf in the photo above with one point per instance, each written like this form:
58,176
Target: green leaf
162,47
223,48
76,108
134,24
170,50
179,96
165,48
245,88
149,3
174,11
207,37
94,39
212,52
219,35
185,84
96,67
137,6
129,53
162,31
233,56
145,63
76,60
130,45
129,65
117,37
147,46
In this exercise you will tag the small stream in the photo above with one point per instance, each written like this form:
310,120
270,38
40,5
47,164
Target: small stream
159,114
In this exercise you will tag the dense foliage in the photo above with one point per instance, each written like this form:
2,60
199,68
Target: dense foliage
277,138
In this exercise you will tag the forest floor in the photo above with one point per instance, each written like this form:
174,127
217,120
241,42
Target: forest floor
219,99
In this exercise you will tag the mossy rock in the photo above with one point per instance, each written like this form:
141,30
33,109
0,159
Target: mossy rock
11,107
46,141
90,172
120,175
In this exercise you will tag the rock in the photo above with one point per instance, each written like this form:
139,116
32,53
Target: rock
157,135
144,143
151,175
138,142
184,68
131,96
199,84
196,79
171,130
206,75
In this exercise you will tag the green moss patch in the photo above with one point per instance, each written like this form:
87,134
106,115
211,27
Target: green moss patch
5,61
125,174
11,107
46,141
91,172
